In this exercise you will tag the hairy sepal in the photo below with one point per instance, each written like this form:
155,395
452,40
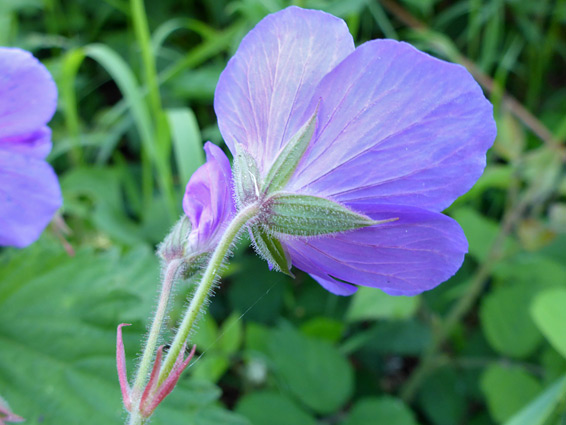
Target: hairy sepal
271,249
246,177
288,159
306,215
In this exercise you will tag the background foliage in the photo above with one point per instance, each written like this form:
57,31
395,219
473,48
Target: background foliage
136,90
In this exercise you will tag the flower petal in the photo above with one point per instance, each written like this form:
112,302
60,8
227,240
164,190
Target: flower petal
405,257
265,90
29,196
334,286
208,200
28,95
36,144
396,126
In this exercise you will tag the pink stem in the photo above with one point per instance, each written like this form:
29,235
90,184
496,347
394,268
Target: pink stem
121,366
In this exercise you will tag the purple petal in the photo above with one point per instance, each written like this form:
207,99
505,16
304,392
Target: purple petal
29,196
333,285
208,200
396,126
28,95
405,257
265,90
36,144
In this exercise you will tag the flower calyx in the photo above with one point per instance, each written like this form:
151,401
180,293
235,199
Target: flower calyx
6,414
154,392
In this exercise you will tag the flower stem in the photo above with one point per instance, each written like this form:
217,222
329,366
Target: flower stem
203,289
173,268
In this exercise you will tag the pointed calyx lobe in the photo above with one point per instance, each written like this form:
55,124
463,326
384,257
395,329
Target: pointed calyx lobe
398,134
154,392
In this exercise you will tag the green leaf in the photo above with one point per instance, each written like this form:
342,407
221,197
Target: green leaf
452,407
386,410
268,408
286,162
507,389
371,304
313,370
503,312
324,328
271,250
187,142
304,215
480,231
550,316
231,334
255,286
210,367
540,409
206,334
246,176
58,318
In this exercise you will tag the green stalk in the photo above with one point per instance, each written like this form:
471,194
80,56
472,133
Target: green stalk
201,294
163,142
169,277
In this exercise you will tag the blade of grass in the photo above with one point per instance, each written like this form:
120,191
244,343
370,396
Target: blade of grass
186,141
161,135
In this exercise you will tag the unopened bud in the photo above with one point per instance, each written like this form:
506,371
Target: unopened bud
174,246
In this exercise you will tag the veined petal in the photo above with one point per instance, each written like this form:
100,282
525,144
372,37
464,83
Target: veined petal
28,95
404,257
29,196
334,286
263,95
36,144
396,126
208,200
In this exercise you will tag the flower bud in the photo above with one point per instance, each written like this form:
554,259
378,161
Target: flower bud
174,246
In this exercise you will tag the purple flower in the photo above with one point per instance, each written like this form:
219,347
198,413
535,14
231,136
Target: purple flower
29,190
208,200
391,134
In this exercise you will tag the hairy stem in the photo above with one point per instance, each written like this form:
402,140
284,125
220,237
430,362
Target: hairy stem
172,270
203,289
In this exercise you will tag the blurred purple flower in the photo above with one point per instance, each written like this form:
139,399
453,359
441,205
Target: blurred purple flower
208,200
399,135
29,190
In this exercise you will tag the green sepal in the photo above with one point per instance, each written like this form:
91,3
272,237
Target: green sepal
284,166
305,215
246,177
271,250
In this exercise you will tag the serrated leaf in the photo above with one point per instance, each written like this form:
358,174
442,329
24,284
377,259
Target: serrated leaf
271,250
58,317
289,157
305,215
